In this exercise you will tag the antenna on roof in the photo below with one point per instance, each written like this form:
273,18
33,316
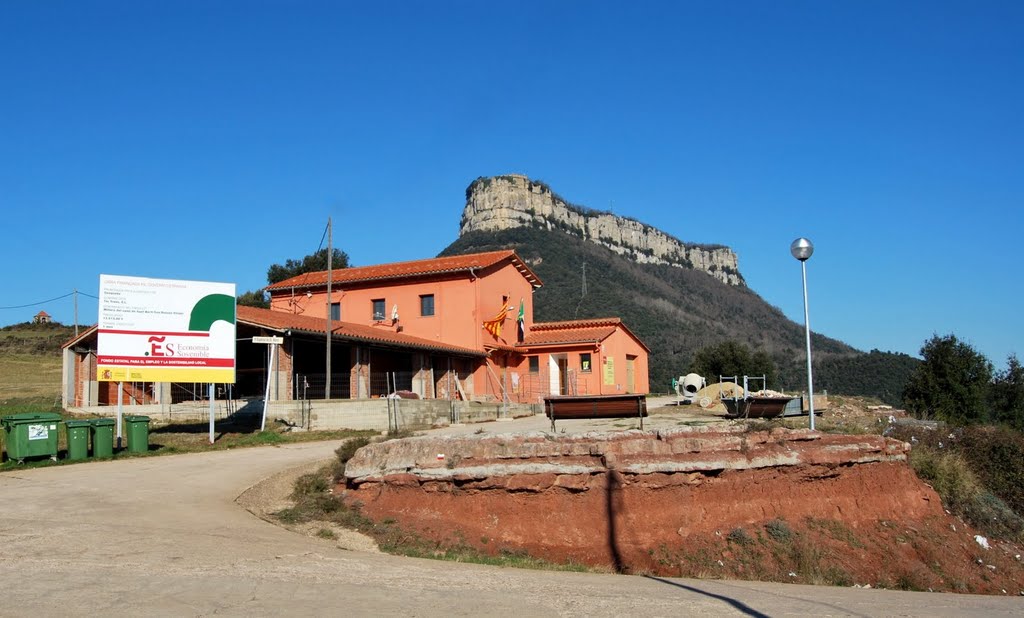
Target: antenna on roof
583,292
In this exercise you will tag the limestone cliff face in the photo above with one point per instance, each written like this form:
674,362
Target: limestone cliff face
506,202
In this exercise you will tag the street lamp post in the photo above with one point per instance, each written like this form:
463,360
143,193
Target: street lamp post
802,249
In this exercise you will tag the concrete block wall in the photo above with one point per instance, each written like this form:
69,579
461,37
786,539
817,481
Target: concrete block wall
412,414
363,414
191,412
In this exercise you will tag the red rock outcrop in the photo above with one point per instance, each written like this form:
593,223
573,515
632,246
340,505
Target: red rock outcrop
603,498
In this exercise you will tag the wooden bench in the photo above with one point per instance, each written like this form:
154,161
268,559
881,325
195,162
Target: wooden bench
565,407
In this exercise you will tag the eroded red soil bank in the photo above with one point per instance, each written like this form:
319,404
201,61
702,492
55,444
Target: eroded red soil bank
792,505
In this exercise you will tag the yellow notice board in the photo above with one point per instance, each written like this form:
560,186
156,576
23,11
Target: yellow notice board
609,370
163,330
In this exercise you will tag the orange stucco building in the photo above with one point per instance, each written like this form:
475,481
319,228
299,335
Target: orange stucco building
481,302
443,328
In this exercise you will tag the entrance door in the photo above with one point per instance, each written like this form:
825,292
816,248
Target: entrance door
630,374
558,367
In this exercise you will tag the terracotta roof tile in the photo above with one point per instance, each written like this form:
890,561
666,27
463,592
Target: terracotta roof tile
82,336
344,331
596,334
503,347
592,330
572,324
409,270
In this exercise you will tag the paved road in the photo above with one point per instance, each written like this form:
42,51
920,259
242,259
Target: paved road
164,536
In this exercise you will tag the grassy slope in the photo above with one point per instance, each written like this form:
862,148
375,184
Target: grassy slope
30,362
25,376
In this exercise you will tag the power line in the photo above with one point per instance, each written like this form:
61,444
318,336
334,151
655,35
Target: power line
322,238
43,302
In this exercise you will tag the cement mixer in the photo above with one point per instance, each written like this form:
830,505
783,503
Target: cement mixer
687,387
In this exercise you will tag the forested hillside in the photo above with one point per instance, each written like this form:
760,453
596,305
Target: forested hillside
677,311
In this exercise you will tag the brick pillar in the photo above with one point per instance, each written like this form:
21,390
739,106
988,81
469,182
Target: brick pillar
285,371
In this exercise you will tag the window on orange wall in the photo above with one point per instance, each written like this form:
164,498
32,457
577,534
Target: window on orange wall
335,311
534,364
378,308
585,365
427,305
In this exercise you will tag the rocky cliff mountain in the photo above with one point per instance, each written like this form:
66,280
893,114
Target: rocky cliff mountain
674,305
507,202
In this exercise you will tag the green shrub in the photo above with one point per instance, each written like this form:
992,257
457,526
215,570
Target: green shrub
807,558
952,477
778,529
309,484
739,536
949,474
996,454
344,453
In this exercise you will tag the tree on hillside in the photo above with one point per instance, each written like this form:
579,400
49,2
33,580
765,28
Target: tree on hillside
279,272
731,358
1007,394
311,263
951,384
254,298
877,374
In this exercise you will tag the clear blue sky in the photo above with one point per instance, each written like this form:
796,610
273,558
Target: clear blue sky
207,140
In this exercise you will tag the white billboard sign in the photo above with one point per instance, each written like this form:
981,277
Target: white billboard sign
165,330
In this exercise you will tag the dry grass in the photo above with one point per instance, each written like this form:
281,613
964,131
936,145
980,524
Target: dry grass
188,437
192,438
26,376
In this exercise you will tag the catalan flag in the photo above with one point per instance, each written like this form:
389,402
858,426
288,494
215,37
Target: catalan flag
494,325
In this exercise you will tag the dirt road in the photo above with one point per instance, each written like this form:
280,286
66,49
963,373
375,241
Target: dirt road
165,536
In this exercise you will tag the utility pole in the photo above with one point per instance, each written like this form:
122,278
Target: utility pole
76,312
330,266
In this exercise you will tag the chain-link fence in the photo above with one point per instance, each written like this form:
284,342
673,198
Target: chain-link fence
533,386
314,386
528,387
381,384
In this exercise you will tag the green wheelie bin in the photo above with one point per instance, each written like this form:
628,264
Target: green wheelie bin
138,433
102,437
78,439
31,435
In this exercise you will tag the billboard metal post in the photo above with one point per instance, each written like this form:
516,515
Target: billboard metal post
120,415
213,406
